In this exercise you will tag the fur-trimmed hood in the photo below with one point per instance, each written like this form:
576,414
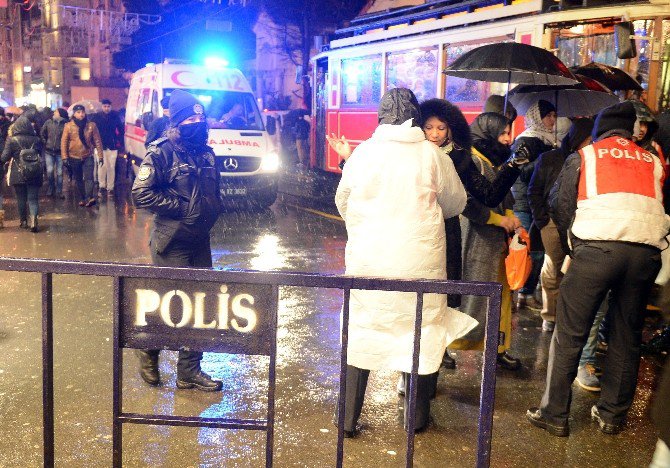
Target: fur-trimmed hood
452,116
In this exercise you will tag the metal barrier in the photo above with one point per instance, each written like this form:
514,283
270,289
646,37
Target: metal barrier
265,345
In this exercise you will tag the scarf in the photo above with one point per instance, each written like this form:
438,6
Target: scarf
82,126
536,129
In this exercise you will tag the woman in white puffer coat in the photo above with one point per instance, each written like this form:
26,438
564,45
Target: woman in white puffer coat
395,192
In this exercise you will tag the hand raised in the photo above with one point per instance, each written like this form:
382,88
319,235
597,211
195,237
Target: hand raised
340,145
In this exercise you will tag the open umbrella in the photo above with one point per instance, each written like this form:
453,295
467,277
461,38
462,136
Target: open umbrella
13,110
588,97
90,106
511,62
612,77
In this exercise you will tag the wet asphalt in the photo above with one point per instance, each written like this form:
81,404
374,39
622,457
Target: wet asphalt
288,237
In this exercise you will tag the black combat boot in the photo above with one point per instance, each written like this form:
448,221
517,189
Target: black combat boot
200,381
149,366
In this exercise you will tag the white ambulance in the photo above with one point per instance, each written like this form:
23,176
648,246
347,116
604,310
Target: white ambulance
245,152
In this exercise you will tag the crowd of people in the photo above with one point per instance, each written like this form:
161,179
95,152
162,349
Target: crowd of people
588,189
43,144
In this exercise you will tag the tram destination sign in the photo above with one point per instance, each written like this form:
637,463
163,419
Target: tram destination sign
200,316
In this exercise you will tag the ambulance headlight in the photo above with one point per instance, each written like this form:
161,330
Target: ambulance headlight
270,162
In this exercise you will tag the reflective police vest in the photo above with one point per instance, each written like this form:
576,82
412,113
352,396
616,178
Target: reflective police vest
619,194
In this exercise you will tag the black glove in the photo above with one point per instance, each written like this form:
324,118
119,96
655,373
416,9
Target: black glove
461,158
520,157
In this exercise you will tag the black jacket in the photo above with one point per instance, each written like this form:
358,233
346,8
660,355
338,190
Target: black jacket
156,130
549,165
23,137
52,134
520,187
182,189
110,128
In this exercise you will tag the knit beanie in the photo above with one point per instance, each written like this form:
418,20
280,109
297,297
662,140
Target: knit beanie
545,107
182,106
620,116
78,107
165,102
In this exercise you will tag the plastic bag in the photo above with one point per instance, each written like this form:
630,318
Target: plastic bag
518,263
664,274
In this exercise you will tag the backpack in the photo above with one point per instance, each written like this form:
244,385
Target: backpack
29,163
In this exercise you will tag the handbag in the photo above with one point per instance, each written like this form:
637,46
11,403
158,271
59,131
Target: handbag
518,263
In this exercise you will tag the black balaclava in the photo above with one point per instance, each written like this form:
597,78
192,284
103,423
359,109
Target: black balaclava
397,106
485,130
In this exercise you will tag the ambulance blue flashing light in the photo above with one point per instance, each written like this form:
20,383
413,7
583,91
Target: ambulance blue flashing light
216,62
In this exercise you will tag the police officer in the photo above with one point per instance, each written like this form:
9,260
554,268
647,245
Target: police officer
609,203
179,183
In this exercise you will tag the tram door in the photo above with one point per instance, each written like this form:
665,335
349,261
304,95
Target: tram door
320,112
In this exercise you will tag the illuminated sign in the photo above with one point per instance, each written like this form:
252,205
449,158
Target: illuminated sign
167,314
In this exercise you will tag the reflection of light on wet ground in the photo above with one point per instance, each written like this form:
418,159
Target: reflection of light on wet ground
268,256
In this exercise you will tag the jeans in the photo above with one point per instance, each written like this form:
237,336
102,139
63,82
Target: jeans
54,161
536,256
26,195
82,173
589,351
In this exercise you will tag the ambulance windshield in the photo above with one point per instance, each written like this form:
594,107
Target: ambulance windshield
228,109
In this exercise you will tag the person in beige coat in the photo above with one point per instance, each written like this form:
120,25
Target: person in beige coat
81,140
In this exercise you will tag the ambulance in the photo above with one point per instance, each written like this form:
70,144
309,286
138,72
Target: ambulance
245,153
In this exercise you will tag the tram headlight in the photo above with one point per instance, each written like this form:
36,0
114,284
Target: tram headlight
270,162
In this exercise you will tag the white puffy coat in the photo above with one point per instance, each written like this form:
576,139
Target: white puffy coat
395,191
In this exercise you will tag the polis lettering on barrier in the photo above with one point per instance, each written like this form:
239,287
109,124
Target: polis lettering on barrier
193,311
618,153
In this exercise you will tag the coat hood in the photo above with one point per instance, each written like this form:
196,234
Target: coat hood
496,103
644,114
448,113
405,132
23,126
397,106
535,127
579,131
485,130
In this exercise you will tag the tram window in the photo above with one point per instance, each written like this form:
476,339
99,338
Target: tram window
361,81
462,90
415,69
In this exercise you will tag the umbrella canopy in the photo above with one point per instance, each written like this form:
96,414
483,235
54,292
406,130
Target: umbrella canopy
13,110
90,106
612,77
511,62
586,98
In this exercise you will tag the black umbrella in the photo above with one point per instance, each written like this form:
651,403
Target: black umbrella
612,77
511,62
588,97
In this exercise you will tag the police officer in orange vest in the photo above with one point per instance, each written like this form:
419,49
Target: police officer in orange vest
609,212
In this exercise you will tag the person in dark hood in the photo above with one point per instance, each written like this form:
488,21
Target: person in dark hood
485,232
158,126
496,103
645,126
179,183
52,134
618,184
547,168
661,142
23,139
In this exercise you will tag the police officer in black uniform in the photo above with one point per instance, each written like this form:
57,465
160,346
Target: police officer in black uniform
179,183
